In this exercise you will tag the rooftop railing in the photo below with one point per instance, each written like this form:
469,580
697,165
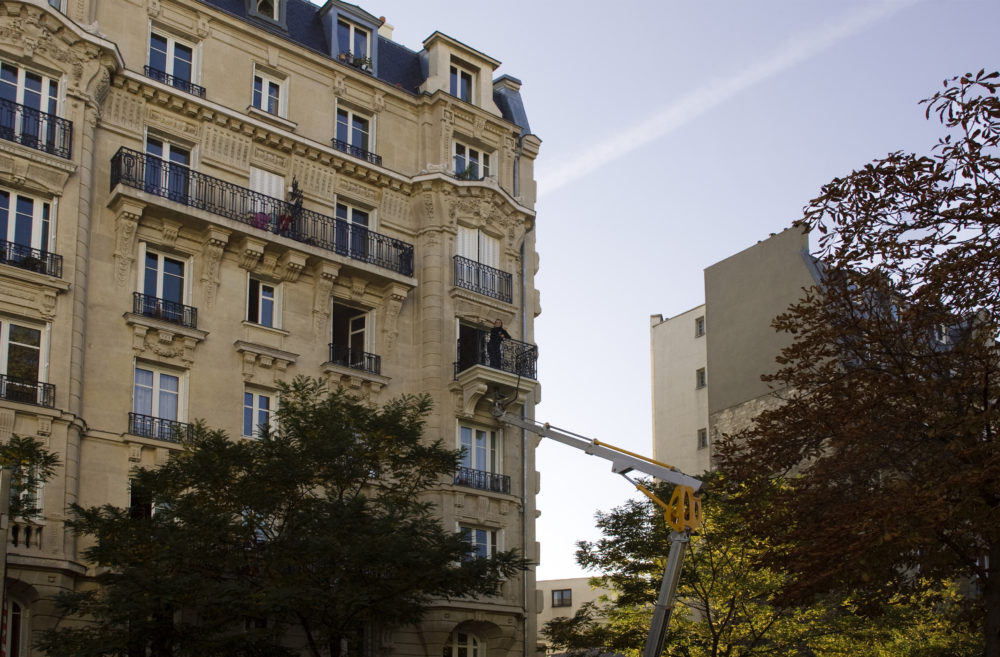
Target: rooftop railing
356,360
148,426
482,480
175,82
183,185
510,355
168,311
36,129
356,151
27,391
36,260
483,279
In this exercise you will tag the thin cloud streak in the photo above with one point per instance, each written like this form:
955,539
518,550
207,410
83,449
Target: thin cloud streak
703,99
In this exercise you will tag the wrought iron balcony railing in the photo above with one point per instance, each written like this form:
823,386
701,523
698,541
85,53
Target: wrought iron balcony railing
511,355
36,129
168,311
175,82
181,184
482,480
27,391
483,279
356,360
148,426
355,151
36,260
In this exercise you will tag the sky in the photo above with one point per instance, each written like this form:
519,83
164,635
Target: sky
675,134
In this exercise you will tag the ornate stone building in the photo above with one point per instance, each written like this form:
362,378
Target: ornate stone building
200,198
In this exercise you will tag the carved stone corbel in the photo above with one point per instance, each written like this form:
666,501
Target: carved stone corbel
212,250
251,250
169,230
292,263
127,216
394,296
323,276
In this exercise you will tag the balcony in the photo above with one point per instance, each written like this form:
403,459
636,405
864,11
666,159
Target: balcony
27,391
483,279
36,260
36,129
148,426
513,356
182,185
168,311
355,360
176,83
355,151
482,480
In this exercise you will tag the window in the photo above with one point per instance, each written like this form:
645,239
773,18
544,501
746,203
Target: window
700,381
262,303
38,96
24,221
266,213
156,393
140,501
350,340
352,129
171,62
483,541
22,362
17,638
470,163
167,169
257,410
562,597
699,326
702,438
271,10
351,231
460,85
354,41
267,94
479,247
463,644
480,449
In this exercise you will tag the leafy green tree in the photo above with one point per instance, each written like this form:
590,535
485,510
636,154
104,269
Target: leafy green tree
310,538
31,464
881,468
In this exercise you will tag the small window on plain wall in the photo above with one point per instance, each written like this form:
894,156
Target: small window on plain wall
700,379
699,326
562,598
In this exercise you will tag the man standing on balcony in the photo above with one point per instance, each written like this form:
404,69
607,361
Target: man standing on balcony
497,335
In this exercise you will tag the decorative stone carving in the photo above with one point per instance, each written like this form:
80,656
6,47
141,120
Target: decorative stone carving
339,85
169,230
251,250
225,147
263,364
153,8
315,179
203,29
123,110
164,340
267,265
379,101
214,246
292,263
44,426
394,296
323,277
170,123
127,216
358,287
7,417
135,453
357,190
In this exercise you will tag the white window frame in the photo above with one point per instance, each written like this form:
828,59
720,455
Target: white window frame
455,72
471,456
368,332
275,301
269,79
350,116
46,82
144,249
478,246
484,160
353,29
493,538
22,624
472,646
156,388
43,344
43,212
255,408
171,53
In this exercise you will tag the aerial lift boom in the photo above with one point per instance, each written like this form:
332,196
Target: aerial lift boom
682,513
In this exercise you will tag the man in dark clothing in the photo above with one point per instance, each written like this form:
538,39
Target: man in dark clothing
497,336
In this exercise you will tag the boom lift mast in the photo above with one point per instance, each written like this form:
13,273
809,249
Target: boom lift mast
682,513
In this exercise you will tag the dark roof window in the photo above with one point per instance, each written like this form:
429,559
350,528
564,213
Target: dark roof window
272,11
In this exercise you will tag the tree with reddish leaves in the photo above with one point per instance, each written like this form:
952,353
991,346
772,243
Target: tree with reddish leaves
881,469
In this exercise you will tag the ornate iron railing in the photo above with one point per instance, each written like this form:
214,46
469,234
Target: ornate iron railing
356,360
36,129
510,355
36,260
175,82
181,184
27,391
483,279
168,311
368,156
148,426
482,480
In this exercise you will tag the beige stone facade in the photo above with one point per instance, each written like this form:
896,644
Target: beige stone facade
204,198
563,598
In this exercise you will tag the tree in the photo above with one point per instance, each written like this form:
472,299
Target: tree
31,465
881,467
310,538
724,599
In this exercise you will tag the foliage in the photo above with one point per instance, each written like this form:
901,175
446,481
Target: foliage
881,469
31,465
304,539
725,599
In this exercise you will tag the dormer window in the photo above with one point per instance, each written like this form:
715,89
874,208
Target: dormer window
461,83
269,10
354,42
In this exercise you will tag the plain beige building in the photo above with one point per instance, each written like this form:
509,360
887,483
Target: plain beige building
201,198
707,362
563,598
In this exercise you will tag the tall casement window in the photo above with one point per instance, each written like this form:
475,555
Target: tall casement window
352,230
267,93
480,449
171,61
464,644
699,326
17,637
479,247
484,541
354,41
351,339
460,83
258,408
28,104
471,163
25,221
157,393
168,169
353,129
163,288
23,351
263,303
